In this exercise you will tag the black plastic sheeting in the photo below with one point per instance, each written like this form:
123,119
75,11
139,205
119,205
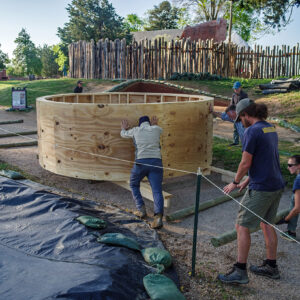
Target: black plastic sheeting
46,254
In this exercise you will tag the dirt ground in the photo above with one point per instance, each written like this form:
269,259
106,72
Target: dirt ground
177,236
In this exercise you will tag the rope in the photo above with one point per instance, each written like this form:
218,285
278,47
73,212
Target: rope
171,169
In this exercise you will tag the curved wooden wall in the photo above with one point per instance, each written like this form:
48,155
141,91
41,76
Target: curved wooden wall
76,130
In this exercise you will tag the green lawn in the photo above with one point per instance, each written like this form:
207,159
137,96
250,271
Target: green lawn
38,88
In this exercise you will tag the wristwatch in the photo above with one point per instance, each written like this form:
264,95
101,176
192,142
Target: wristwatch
234,182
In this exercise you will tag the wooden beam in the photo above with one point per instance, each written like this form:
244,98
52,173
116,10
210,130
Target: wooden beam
11,122
24,144
227,176
180,214
146,191
17,133
230,236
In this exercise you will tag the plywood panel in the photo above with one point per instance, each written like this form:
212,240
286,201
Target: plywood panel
83,140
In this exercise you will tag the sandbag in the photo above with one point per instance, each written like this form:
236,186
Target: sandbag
160,287
119,239
92,222
156,257
11,174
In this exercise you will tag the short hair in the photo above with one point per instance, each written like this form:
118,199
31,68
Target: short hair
230,108
256,110
296,158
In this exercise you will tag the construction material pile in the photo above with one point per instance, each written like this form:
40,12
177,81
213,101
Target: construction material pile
283,85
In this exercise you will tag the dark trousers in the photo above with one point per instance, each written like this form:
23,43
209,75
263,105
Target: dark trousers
155,177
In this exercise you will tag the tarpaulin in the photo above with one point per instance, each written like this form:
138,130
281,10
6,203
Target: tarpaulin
46,254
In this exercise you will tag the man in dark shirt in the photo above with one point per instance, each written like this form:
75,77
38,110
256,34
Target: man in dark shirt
260,160
237,96
78,88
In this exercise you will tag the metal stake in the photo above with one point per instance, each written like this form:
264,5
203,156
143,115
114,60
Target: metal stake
199,176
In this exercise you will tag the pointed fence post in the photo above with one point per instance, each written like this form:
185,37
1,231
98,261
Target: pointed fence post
199,176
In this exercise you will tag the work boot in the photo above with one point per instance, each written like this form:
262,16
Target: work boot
141,213
233,144
265,270
157,222
236,275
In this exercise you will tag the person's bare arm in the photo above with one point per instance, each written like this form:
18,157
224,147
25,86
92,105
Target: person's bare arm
243,169
154,121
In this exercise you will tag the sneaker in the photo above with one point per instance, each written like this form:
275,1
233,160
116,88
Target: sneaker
157,222
266,270
233,144
141,213
289,236
236,275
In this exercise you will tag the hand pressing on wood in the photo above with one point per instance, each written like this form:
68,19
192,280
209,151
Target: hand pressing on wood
124,124
154,120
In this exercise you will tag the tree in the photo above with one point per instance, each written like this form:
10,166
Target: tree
26,60
48,58
133,23
3,59
163,16
92,19
61,53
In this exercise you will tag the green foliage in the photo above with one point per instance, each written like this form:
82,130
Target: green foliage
26,60
133,23
92,19
61,56
3,59
195,76
163,16
48,59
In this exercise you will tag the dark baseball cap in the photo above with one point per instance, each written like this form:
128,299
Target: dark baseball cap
79,81
241,106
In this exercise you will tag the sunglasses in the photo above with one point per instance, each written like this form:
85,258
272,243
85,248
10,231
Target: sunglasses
291,165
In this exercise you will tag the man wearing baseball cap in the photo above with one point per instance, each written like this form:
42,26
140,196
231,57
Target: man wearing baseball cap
260,160
237,96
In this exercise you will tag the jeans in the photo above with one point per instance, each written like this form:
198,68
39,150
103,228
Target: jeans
235,134
155,177
292,225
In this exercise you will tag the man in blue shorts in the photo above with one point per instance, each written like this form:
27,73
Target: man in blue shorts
260,159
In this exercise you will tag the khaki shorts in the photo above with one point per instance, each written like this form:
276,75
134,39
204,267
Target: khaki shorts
264,204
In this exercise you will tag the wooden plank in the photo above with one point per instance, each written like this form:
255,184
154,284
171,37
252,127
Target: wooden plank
11,122
146,191
14,145
17,133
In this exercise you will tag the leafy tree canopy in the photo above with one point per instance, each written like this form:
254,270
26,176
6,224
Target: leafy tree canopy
134,23
48,59
3,59
163,16
92,19
26,60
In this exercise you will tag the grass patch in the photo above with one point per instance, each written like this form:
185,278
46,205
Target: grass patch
38,88
229,157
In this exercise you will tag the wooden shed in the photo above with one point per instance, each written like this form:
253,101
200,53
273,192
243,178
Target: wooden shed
79,134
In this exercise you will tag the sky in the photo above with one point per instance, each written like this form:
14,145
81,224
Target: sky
41,18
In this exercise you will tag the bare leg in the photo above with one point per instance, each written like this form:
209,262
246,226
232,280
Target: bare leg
270,240
244,242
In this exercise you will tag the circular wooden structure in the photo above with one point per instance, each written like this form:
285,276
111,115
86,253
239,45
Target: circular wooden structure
79,134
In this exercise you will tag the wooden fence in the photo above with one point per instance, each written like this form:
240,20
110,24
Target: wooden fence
159,59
